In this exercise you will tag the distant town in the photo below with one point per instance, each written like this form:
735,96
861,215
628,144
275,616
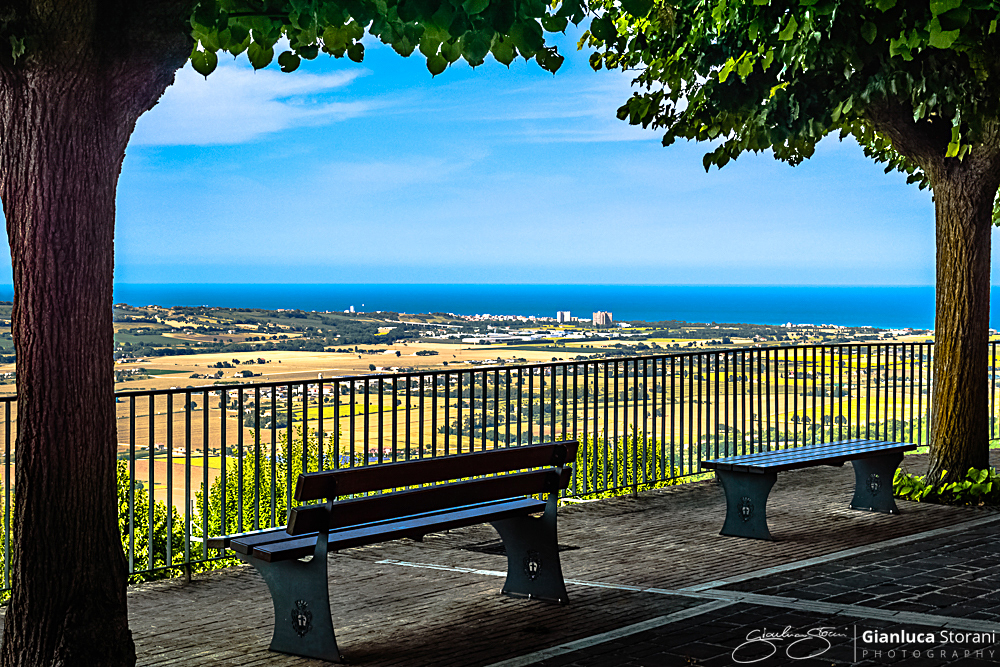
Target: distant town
160,347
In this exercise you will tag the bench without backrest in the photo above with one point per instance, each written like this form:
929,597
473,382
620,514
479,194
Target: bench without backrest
303,623
747,479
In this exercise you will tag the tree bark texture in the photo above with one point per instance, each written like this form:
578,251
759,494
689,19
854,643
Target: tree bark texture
67,109
959,437
964,190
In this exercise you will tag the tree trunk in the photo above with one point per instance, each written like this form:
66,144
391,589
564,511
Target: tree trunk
67,110
959,438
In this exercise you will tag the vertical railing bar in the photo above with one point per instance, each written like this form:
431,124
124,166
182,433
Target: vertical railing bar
206,408
868,394
131,484
407,414
702,389
395,418
767,398
531,405
520,403
150,520
187,477
223,462
507,414
434,416
321,432
8,408
381,420
604,430
170,477
366,445
352,408
565,402
461,400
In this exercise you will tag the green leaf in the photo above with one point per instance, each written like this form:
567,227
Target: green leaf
637,8
942,6
259,56
941,39
554,23
356,52
869,31
473,7
436,65
885,5
789,30
503,51
954,19
745,66
204,62
288,61
603,29
452,52
726,70
596,61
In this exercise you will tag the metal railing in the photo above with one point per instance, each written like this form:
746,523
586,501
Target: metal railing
641,421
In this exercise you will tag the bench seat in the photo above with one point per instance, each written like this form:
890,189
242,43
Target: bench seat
747,479
276,545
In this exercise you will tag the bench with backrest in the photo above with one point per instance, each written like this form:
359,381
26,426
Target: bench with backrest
747,479
411,499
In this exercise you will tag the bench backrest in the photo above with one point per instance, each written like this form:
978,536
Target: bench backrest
549,475
330,484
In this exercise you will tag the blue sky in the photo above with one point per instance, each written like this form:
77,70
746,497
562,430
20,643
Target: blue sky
377,172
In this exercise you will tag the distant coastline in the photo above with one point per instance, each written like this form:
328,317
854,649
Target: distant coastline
886,307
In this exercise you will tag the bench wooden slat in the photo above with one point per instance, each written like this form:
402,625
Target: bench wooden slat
311,519
333,483
224,541
245,543
836,453
805,450
299,547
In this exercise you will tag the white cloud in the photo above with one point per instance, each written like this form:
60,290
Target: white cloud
236,105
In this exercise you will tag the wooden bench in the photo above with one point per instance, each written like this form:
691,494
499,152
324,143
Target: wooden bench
747,479
293,559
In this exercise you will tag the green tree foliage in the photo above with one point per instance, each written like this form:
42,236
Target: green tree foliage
249,478
443,31
917,84
133,519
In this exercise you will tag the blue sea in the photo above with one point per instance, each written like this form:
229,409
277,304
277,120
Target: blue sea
883,307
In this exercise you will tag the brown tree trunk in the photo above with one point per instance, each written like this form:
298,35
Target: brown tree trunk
67,109
959,438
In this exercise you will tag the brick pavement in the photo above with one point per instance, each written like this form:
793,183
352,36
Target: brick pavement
651,583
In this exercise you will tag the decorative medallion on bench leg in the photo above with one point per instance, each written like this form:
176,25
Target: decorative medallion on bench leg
873,483
746,503
302,622
533,569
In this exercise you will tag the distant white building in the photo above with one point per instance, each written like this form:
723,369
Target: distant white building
562,316
602,319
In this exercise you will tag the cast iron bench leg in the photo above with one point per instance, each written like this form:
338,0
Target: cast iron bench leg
302,622
746,503
873,483
533,569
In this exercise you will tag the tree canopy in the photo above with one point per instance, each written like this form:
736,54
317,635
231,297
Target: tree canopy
917,84
782,75
442,30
